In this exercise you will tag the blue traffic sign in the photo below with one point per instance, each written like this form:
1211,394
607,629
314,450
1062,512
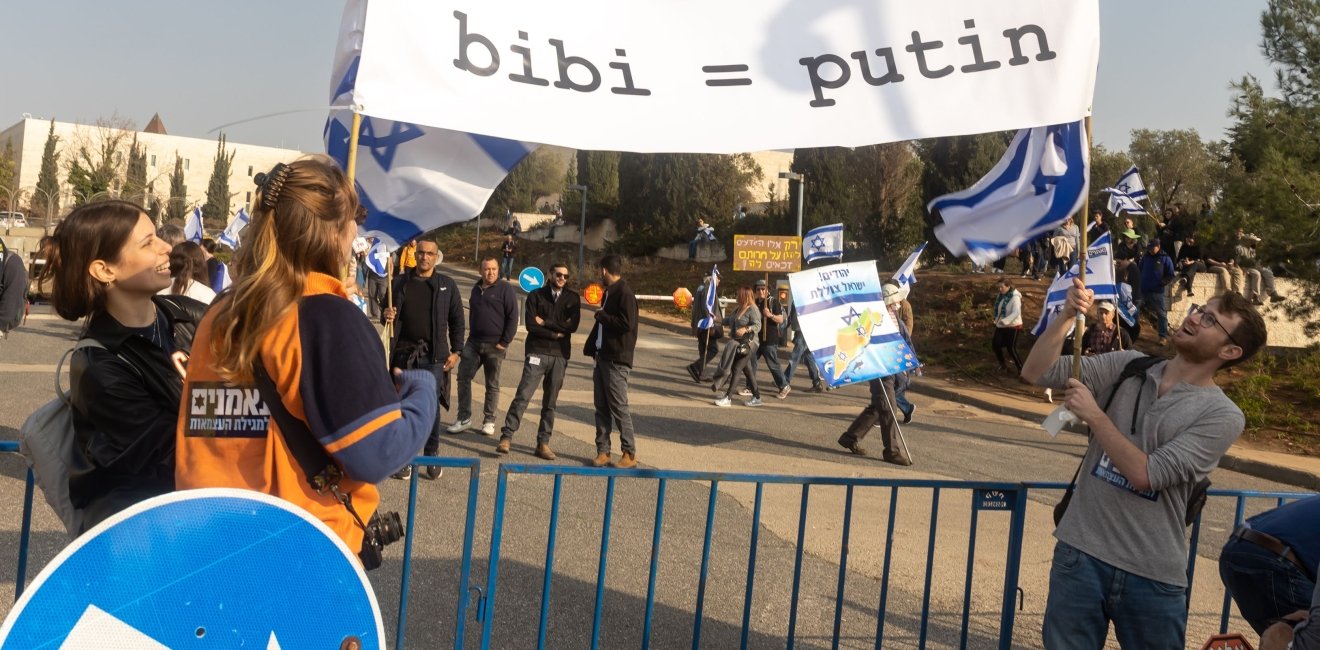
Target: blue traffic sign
213,568
531,279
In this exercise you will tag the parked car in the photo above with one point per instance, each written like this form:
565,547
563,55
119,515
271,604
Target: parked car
13,220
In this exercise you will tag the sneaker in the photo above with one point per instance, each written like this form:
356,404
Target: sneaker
403,474
907,415
460,426
746,392
488,429
783,392
897,458
755,401
696,376
433,472
818,387
723,401
503,447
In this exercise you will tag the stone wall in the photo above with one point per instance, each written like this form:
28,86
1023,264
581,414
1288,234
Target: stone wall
1284,331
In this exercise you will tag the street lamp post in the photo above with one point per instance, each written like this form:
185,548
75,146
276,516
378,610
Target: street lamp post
802,189
582,229
50,204
13,195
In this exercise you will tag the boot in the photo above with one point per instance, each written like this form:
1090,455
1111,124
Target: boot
543,451
893,452
897,457
628,461
503,447
602,459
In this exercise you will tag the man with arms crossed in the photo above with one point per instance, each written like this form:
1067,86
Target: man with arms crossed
553,313
1122,550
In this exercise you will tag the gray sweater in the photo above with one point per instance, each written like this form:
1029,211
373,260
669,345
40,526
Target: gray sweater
1184,434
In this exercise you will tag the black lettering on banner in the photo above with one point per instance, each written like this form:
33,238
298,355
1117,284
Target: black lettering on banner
919,48
465,41
628,87
526,76
892,76
722,69
974,41
1043,52
565,62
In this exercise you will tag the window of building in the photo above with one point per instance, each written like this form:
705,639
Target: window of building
153,160
249,170
249,195
187,163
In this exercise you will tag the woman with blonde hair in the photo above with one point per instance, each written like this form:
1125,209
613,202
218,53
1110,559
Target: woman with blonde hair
742,323
105,263
337,424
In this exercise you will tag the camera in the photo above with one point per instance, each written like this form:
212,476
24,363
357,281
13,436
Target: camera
385,528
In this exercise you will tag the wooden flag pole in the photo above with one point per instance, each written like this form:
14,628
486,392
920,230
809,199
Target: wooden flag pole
1079,329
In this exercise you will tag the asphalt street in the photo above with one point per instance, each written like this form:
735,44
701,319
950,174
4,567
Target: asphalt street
679,428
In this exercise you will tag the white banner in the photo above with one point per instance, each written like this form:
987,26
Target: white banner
728,76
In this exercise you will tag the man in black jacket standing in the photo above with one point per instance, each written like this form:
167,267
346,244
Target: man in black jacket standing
551,313
492,324
13,290
428,333
612,342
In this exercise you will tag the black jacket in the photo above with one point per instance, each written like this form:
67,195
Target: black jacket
618,319
562,317
126,401
446,316
493,314
13,289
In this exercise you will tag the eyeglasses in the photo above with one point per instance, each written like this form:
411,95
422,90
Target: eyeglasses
563,276
1210,320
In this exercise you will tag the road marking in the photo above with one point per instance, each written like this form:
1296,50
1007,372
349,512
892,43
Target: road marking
28,367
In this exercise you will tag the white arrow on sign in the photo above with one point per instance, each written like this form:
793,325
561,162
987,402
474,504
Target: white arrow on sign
531,280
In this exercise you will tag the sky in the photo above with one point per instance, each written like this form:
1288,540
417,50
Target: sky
205,63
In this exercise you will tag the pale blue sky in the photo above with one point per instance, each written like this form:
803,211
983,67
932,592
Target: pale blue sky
1164,64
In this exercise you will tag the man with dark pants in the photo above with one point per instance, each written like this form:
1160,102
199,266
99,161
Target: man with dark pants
428,332
492,324
1156,273
772,315
706,327
611,343
879,411
1121,557
799,351
552,314
1269,563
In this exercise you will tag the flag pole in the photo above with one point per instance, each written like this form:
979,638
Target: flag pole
1079,329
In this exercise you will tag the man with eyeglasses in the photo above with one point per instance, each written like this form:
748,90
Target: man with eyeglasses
551,314
1122,550
428,331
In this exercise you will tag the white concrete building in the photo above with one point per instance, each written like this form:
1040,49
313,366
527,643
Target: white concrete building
28,138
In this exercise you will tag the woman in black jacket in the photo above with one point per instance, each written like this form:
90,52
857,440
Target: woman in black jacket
108,265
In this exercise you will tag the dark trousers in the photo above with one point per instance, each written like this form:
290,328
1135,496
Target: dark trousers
1005,340
433,440
609,381
1264,585
881,409
707,348
479,355
376,288
1188,273
769,352
548,371
744,365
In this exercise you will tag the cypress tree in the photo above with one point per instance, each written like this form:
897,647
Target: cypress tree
216,210
178,192
135,179
48,180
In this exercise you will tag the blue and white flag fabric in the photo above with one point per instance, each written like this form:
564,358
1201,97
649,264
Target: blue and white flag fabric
907,274
193,229
825,242
712,291
1126,195
378,259
1040,181
1099,278
849,331
232,234
410,178
1127,308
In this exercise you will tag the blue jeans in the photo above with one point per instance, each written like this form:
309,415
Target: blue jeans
1153,301
1087,594
770,352
800,350
1264,585
901,382
507,267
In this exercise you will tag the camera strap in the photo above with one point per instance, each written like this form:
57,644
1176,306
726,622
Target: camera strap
322,473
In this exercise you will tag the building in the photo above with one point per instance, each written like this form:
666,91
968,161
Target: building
28,138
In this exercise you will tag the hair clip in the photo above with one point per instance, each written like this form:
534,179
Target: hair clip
271,183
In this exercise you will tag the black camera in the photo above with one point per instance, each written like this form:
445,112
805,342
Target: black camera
385,528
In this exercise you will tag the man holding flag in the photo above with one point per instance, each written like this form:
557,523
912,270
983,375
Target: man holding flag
706,318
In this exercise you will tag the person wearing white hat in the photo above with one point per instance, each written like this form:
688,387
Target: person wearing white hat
1104,334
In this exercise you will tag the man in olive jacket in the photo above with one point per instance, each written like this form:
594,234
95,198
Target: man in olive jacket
611,343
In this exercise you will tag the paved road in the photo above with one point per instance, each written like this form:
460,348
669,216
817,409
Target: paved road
679,428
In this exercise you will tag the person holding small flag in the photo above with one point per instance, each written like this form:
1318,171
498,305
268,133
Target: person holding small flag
707,316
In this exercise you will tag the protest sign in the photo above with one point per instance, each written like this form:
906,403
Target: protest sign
766,254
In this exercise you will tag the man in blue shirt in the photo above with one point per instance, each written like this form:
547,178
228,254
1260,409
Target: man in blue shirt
1157,273
1269,563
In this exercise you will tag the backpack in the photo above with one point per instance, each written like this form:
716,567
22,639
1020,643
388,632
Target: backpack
46,441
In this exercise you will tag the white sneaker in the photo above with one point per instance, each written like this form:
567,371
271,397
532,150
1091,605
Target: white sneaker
723,401
755,401
746,392
488,429
784,393
460,426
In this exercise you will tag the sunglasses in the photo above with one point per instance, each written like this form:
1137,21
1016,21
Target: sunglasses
563,276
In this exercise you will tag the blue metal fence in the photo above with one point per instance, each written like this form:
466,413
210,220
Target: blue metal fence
1008,497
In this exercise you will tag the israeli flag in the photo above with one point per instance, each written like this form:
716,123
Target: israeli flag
410,178
1126,195
378,259
1099,278
711,290
230,237
192,226
1120,203
907,274
825,242
1040,181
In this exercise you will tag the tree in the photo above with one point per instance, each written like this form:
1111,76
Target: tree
1177,167
216,209
48,179
177,206
7,165
599,171
98,158
536,176
570,201
135,177
663,195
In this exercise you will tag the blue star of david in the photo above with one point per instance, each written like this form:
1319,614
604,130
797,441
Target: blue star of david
852,314
384,147
1127,189
818,242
